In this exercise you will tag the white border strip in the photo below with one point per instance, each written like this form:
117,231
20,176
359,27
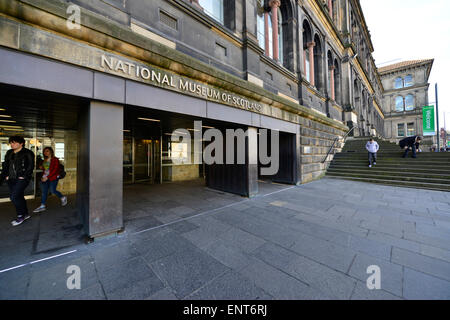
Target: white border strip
33,262
211,211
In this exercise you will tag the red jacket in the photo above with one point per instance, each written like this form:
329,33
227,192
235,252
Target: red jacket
53,170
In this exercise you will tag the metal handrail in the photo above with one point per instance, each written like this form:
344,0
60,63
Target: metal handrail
336,140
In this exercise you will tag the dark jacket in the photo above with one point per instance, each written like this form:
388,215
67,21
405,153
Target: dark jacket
409,142
21,166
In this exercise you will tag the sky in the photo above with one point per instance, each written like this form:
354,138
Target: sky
413,30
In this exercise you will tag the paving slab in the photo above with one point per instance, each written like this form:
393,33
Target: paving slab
188,270
279,284
418,285
434,267
230,286
313,241
391,275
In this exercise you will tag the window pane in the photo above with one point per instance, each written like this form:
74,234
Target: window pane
408,81
409,102
308,76
213,8
411,129
270,37
280,37
260,26
399,104
401,129
398,83
59,150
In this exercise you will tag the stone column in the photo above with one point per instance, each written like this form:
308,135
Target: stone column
332,85
266,33
311,62
196,4
100,168
330,8
274,5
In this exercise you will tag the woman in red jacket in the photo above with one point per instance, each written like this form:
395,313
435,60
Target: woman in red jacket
50,178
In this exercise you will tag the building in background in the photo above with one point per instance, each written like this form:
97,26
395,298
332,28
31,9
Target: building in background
405,93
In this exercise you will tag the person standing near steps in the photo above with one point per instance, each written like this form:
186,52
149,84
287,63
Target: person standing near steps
50,178
372,147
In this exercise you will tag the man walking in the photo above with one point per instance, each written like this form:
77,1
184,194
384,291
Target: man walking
372,147
411,142
17,171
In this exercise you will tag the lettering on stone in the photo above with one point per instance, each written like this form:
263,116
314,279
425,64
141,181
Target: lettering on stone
184,85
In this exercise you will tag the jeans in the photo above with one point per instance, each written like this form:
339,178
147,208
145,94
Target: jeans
414,154
45,186
372,157
17,195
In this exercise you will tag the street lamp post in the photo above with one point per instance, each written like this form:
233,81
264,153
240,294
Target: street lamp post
437,120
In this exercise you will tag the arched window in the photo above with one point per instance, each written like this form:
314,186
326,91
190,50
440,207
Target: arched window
399,106
337,82
330,66
280,37
409,81
409,102
260,25
398,83
264,17
318,64
307,38
213,8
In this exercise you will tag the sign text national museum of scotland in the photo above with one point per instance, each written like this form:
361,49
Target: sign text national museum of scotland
163,79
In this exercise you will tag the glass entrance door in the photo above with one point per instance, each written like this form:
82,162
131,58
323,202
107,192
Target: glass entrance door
142,160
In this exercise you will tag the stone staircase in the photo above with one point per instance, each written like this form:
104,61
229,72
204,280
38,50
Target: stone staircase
429,171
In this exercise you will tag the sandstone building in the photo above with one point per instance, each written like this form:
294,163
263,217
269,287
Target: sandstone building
405,93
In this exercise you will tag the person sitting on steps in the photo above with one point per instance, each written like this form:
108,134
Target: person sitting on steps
411,142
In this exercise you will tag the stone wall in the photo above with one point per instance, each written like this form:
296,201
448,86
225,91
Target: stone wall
316,141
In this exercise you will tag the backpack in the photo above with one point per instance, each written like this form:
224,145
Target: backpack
62,172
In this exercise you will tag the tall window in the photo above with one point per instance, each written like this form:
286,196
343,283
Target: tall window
408,81
398,83
213,8
280,36
399,107
409,102
307,65
411,129
270,37
401,130
260,30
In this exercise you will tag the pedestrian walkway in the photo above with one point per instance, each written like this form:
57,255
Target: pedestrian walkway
314,241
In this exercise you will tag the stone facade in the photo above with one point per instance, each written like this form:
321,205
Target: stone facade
307,62
344,72
405,93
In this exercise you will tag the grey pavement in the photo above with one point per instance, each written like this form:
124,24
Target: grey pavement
185,241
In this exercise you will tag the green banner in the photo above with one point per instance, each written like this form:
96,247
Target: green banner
429,128
448,144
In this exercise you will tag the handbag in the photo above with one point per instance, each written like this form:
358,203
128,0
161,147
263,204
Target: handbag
62,172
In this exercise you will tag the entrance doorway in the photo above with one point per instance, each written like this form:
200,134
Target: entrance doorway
141,160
